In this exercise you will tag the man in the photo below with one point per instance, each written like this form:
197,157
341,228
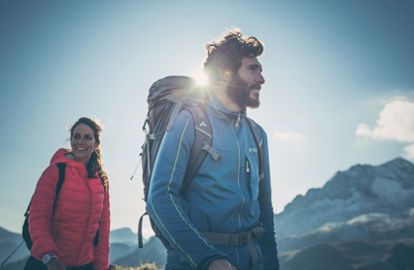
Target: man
218,223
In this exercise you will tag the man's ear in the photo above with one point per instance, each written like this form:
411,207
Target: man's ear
225,75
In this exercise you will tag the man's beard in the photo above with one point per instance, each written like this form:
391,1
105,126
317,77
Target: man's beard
239,92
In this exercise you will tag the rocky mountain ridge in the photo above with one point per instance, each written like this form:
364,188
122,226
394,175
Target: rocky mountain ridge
363,189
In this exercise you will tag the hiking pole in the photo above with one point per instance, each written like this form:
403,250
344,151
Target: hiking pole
14,251
135,170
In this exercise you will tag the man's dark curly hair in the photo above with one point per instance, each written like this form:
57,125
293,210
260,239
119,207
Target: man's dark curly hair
228,52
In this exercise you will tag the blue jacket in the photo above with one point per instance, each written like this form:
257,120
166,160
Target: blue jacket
223,197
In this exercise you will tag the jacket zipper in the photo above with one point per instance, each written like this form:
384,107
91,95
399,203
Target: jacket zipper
85,230
238,120
238,179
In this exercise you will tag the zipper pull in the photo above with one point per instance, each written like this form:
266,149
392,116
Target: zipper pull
238,120
247,167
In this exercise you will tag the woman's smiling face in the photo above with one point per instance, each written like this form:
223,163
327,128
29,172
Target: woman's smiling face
83,143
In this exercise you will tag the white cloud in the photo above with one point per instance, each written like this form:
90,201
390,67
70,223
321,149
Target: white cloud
395,122
289,137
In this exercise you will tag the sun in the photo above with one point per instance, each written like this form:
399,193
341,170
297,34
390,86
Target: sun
201,79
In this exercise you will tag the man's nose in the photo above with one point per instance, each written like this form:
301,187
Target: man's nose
260,79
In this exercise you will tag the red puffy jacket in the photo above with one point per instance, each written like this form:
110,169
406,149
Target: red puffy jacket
82,208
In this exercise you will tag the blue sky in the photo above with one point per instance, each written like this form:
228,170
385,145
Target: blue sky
339,85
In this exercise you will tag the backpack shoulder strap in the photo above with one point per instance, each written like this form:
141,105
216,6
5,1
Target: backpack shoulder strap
259,144
61,178
201,146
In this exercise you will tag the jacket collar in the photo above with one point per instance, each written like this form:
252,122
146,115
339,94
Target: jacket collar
218,107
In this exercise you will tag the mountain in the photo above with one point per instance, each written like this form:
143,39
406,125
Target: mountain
351,256
124,235
119,250
387,189
8,243
319,257
15,265
367,227
361,219
8,236
123,242
402,257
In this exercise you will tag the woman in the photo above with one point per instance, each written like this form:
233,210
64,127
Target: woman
75,235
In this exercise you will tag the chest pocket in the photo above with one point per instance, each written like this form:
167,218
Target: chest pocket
252,171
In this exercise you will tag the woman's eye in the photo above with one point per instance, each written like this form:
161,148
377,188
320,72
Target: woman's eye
76,136
88,137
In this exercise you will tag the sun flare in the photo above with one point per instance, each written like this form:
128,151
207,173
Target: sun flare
201,79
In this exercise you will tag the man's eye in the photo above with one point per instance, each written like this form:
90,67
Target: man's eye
87,137
76,136
255,68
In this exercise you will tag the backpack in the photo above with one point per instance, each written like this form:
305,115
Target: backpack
25,230
166,99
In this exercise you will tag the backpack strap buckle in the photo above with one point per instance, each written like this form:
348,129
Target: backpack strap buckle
244,238
209,149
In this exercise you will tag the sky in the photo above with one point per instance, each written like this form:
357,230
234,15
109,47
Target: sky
339,85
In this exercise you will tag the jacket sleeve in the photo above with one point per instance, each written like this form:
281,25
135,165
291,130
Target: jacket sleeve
41,213
164,205
101,256
267,242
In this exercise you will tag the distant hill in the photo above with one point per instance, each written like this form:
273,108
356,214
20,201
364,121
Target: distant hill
319,257
8,236
362,191
119,250
352,256
124,249
8,242
124,236
123,242
15,265
362,217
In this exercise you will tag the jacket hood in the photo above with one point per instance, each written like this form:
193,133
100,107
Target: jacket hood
61,156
